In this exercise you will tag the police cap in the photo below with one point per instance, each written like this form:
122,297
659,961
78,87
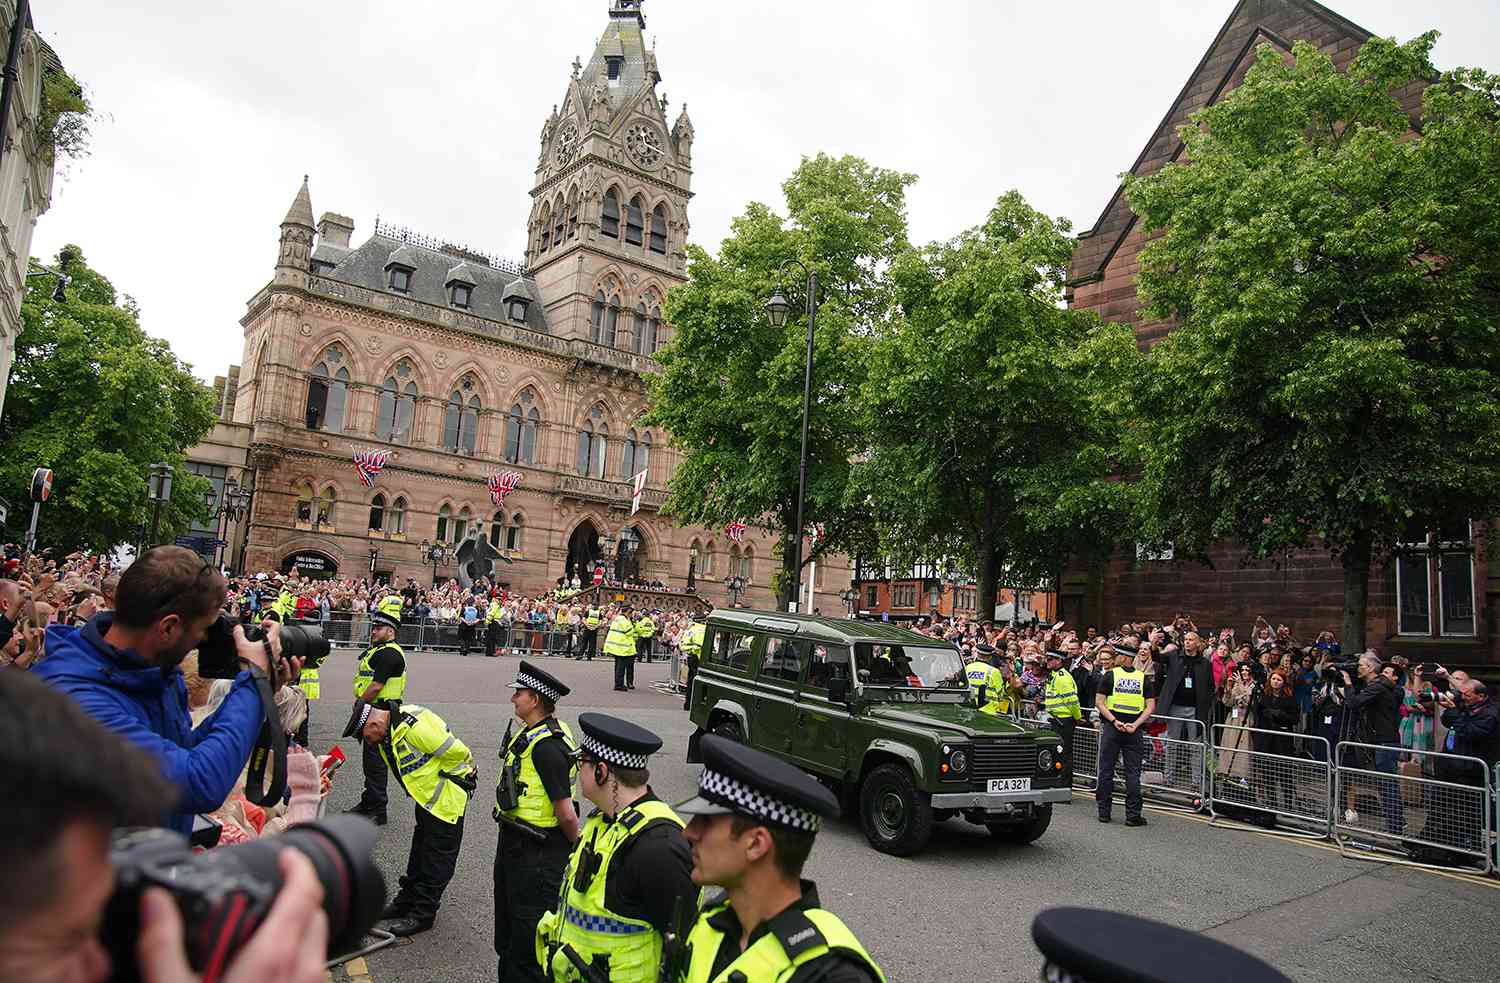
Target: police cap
1054,654
1102,946
361,715
615,741
388,611
540,681
743,781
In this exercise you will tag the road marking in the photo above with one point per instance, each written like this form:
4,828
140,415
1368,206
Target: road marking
1477,879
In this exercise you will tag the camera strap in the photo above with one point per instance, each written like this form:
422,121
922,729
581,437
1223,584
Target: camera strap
271,743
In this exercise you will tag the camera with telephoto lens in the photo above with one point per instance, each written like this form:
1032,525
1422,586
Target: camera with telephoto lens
1334,671
225,894
217,658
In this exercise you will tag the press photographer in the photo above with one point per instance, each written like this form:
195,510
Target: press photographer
122,669
1374,697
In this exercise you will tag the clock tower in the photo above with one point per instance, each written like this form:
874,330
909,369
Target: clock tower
608,227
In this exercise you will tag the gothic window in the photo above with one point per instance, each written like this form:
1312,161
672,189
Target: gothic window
643,453
546,227
530,435
613,64
395,517
397,406
400,279
640,328
612,322
304,502
513,532
497,529
377,513
461,421
323,508
513,423
461,525
559,222
633,222
659,230
596,318
653,332
599,451
609,219
585,444
445,519
747,564
627,459
573,213
327,391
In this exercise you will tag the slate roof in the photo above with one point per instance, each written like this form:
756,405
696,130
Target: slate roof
365,266
623,37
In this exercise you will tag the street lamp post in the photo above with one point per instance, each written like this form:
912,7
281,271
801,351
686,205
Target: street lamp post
436,554
692,568
850,595
610,560
374,559
231,507
777,309
158,490
736,587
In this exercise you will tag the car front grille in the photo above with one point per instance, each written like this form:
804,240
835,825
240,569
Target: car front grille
1004,759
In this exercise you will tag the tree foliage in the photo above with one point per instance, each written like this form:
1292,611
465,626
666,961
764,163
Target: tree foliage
63,126
993,414
1334,377
96,399
730,389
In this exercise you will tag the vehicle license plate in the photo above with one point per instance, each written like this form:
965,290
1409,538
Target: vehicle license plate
1010,785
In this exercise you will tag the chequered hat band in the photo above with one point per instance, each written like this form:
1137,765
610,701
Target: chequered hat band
529,681
736,795
613,756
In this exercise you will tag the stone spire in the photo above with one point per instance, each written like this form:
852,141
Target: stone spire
296,235
301,212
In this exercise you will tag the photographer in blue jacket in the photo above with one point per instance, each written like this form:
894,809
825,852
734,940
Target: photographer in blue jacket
122,669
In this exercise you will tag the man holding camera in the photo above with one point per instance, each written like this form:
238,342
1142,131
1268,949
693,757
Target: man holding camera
122,669
436,770
380,675
1376,698
67,783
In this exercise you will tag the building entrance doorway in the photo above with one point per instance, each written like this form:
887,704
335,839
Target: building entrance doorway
583,551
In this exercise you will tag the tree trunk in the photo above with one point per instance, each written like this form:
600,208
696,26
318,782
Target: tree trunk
789,578
987,591
1356,592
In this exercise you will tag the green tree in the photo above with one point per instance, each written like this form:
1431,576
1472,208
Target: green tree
1333,268
730,389
96,399
993,413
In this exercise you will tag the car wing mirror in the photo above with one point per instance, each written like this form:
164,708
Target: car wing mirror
838,689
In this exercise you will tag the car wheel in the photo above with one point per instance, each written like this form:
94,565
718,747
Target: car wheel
895,814
729,729
1025,831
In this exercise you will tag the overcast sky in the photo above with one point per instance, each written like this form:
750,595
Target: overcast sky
428,114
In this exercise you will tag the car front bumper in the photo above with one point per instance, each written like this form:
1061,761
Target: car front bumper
995,800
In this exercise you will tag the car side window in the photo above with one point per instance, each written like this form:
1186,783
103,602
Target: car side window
732,649
827,662
783,660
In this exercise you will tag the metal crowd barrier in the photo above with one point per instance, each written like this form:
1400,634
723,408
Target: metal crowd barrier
1449,819
433,635
1289,788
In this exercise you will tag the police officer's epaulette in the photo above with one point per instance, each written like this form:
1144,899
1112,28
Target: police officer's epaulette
630,818
796,932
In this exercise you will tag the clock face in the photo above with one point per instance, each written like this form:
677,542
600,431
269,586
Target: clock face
567,142
644,143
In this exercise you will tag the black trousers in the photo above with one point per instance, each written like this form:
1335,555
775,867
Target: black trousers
643,649
429,867
465,637
1064,727
1114,745
491,637
376,773
624,670
590,642
527,877
687,694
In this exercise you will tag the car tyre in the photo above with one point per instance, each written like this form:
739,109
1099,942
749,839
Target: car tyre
1026,831
896,815
729,729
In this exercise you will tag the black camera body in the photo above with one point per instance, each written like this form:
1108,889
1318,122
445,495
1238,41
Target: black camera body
225,894
1334,671
216,653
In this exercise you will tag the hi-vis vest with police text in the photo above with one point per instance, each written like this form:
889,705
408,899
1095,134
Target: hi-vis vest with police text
981,673
364,675
621,637
592,619
533,807
425,757
633,947
1128,691
1060,696
773,958
691,641
645,627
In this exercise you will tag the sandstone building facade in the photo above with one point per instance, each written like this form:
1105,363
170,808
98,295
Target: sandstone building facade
1440,600
460,365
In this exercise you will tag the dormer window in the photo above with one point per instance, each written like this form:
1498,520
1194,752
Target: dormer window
400,279
613,64
517,298
459,295
518,311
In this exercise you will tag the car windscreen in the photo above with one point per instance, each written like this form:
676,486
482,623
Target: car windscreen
919,666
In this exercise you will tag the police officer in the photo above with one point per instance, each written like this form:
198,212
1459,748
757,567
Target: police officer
1060,703
1125,702
645,630
437,771
752,827
620,643
628,870
380,675
538,821
492,618
691,646
590,638
981,673
1102,945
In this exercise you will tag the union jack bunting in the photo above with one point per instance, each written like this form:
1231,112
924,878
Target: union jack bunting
502,483
817,532
735,531
369,464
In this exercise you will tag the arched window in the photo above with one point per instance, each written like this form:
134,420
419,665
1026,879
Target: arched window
612,324
640,328
627,459
397,405
653,332
324,509
559,221
599,451
596,319
585,445
304,502
530,435
513,422
708,558
395,517
659,230
461,525
461,419
377,513
609,218
633,222
497,529
546,227
445,519
643,453
513,533
327,390
734,561
573,213
747,564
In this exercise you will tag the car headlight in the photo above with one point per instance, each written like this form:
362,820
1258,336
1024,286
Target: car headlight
1045,758
959,760
955,761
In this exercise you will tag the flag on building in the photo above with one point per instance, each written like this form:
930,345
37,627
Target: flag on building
735,531
502,483
369,464
637,485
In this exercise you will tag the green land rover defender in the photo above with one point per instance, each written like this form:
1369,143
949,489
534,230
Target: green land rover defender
884,717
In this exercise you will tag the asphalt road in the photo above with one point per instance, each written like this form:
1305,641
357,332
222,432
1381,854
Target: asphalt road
962,909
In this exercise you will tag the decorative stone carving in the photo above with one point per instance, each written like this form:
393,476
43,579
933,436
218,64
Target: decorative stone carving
440,360
305,330
373,344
